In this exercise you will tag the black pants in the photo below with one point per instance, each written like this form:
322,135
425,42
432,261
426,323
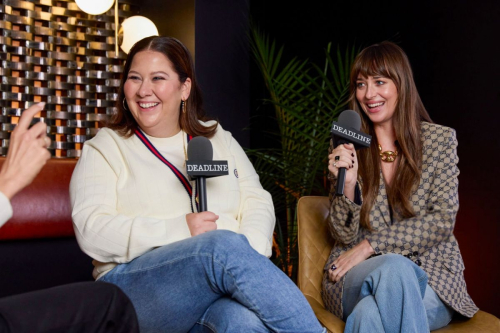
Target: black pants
80,307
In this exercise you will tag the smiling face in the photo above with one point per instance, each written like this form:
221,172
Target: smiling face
154,93
378,98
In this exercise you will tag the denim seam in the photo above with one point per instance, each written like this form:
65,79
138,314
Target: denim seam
207,325
159,265
423,277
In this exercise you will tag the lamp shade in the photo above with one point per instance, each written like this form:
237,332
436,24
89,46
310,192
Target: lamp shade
95,7
135,28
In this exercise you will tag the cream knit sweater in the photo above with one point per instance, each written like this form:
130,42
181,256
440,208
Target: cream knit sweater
126,202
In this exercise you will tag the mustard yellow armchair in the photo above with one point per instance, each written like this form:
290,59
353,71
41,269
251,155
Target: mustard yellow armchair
315,244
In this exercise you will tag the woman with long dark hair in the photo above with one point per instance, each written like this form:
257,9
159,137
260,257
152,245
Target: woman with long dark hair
136,213
396,265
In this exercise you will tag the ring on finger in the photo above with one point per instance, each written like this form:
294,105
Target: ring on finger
333,267
337,158
334,164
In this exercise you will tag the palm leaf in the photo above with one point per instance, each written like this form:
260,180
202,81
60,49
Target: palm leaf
305,100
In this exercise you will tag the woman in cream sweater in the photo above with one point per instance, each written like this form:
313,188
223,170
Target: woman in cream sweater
135,211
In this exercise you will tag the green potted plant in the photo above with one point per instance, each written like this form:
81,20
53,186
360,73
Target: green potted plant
306,99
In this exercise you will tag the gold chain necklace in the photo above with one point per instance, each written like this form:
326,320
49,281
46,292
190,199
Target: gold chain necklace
388,156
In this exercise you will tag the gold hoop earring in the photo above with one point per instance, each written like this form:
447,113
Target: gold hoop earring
183,106
125,105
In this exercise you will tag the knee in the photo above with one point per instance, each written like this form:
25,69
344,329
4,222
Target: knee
225,240
234,240
398,267
395,263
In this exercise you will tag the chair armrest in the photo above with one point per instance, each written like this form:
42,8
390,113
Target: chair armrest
325,317
314,244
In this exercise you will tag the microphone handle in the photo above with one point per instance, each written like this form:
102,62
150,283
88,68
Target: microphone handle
339,189
201,185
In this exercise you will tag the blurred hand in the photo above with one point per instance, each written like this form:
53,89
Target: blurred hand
349,259
199,223
27,153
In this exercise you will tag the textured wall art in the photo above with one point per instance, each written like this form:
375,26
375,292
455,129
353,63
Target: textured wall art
53,52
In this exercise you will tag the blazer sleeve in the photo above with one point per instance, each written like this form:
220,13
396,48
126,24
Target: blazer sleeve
344,215
436,219
102,231
256,211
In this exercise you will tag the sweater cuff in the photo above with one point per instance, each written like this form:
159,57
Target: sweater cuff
5,209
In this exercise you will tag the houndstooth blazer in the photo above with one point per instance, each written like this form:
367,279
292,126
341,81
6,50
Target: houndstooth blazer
430,232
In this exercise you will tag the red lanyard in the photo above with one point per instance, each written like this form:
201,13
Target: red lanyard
177,173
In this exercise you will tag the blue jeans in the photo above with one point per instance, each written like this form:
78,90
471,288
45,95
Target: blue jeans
214,282
389,293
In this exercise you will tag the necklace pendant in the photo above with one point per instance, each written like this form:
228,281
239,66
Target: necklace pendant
387,156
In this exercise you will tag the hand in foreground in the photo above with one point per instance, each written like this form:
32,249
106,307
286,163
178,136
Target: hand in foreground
199,223
349,259
27,153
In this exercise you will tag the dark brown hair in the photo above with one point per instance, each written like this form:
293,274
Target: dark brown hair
180,58
389,60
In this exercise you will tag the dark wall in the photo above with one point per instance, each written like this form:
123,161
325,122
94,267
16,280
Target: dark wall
453,47
215,33
172,18
222,63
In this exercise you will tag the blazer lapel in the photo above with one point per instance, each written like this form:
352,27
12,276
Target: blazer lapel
381,203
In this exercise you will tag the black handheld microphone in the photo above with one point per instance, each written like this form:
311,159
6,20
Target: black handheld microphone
200,166
346,130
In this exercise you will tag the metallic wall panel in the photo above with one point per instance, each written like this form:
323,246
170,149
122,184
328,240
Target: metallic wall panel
51,51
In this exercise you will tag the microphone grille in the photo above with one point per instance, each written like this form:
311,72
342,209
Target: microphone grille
350,118
200,149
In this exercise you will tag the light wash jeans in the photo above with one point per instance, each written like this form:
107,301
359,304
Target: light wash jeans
214,282
389,293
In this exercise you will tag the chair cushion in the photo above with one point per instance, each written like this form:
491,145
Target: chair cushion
481,322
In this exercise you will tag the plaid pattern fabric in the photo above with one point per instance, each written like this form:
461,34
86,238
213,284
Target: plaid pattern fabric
429,233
